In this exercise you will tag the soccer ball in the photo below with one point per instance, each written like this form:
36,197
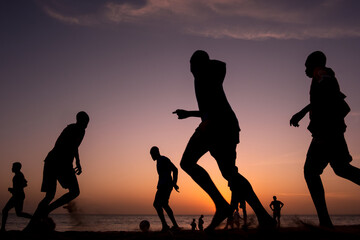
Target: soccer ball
144,225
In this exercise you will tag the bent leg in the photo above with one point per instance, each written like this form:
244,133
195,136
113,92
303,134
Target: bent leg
9,205
170,213
314,166
159,208
225,155
195,149
19,209
74,191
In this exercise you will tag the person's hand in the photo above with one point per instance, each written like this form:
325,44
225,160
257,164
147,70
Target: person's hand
181,113
176,187
78,170
294,121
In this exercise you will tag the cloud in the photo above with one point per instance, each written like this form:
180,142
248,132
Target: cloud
239,19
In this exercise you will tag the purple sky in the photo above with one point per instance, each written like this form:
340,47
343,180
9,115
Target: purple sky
127,64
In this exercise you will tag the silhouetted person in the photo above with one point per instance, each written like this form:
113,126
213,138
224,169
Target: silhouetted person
243,207
276,207
193,225
327,110
58,167
201,223
237,218
217,133
18,195
229,222
164,188
236,202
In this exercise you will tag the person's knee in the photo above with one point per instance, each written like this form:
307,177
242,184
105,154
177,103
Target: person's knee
340,170
74,193
5,211
310,173
186,165
48,197
157,205
19,213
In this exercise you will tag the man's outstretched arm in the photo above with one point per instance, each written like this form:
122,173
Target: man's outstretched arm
182,114
294,121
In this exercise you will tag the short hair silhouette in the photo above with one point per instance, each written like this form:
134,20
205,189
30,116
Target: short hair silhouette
17,166
316,59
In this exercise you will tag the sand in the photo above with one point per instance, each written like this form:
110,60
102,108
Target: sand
293,233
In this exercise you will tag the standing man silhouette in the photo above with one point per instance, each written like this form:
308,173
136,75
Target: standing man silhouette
59,167
217,133
276,207
165,185
327,110
18,195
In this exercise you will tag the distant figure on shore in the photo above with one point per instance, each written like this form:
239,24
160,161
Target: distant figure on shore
201,223
276,207
327,110
218,133
229,222
193,225
237,218
18,195
236,203
164,187
59,167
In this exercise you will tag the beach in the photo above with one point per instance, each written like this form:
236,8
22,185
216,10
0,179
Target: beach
293,233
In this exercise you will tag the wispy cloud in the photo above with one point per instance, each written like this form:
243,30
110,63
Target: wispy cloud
240,19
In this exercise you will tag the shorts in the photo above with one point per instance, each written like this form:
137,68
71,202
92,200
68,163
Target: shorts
323,151
162,196
52,173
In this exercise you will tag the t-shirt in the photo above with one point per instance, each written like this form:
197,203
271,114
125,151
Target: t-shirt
327,105
216,111
19,183
66,145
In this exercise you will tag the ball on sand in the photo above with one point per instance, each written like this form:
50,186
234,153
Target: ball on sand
144,225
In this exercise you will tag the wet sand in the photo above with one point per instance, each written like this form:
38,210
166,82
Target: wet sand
291,233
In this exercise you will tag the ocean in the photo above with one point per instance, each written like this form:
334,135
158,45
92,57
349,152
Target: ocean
101,223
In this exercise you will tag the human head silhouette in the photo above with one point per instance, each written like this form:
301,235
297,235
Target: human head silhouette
82,119
274,197
198,61
155,153
314,60
16,167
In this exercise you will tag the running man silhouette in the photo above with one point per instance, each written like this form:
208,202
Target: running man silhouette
276,207
59,167
217,133
18,195
327,110
165,185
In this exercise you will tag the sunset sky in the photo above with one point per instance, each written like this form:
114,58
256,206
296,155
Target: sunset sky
126,63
